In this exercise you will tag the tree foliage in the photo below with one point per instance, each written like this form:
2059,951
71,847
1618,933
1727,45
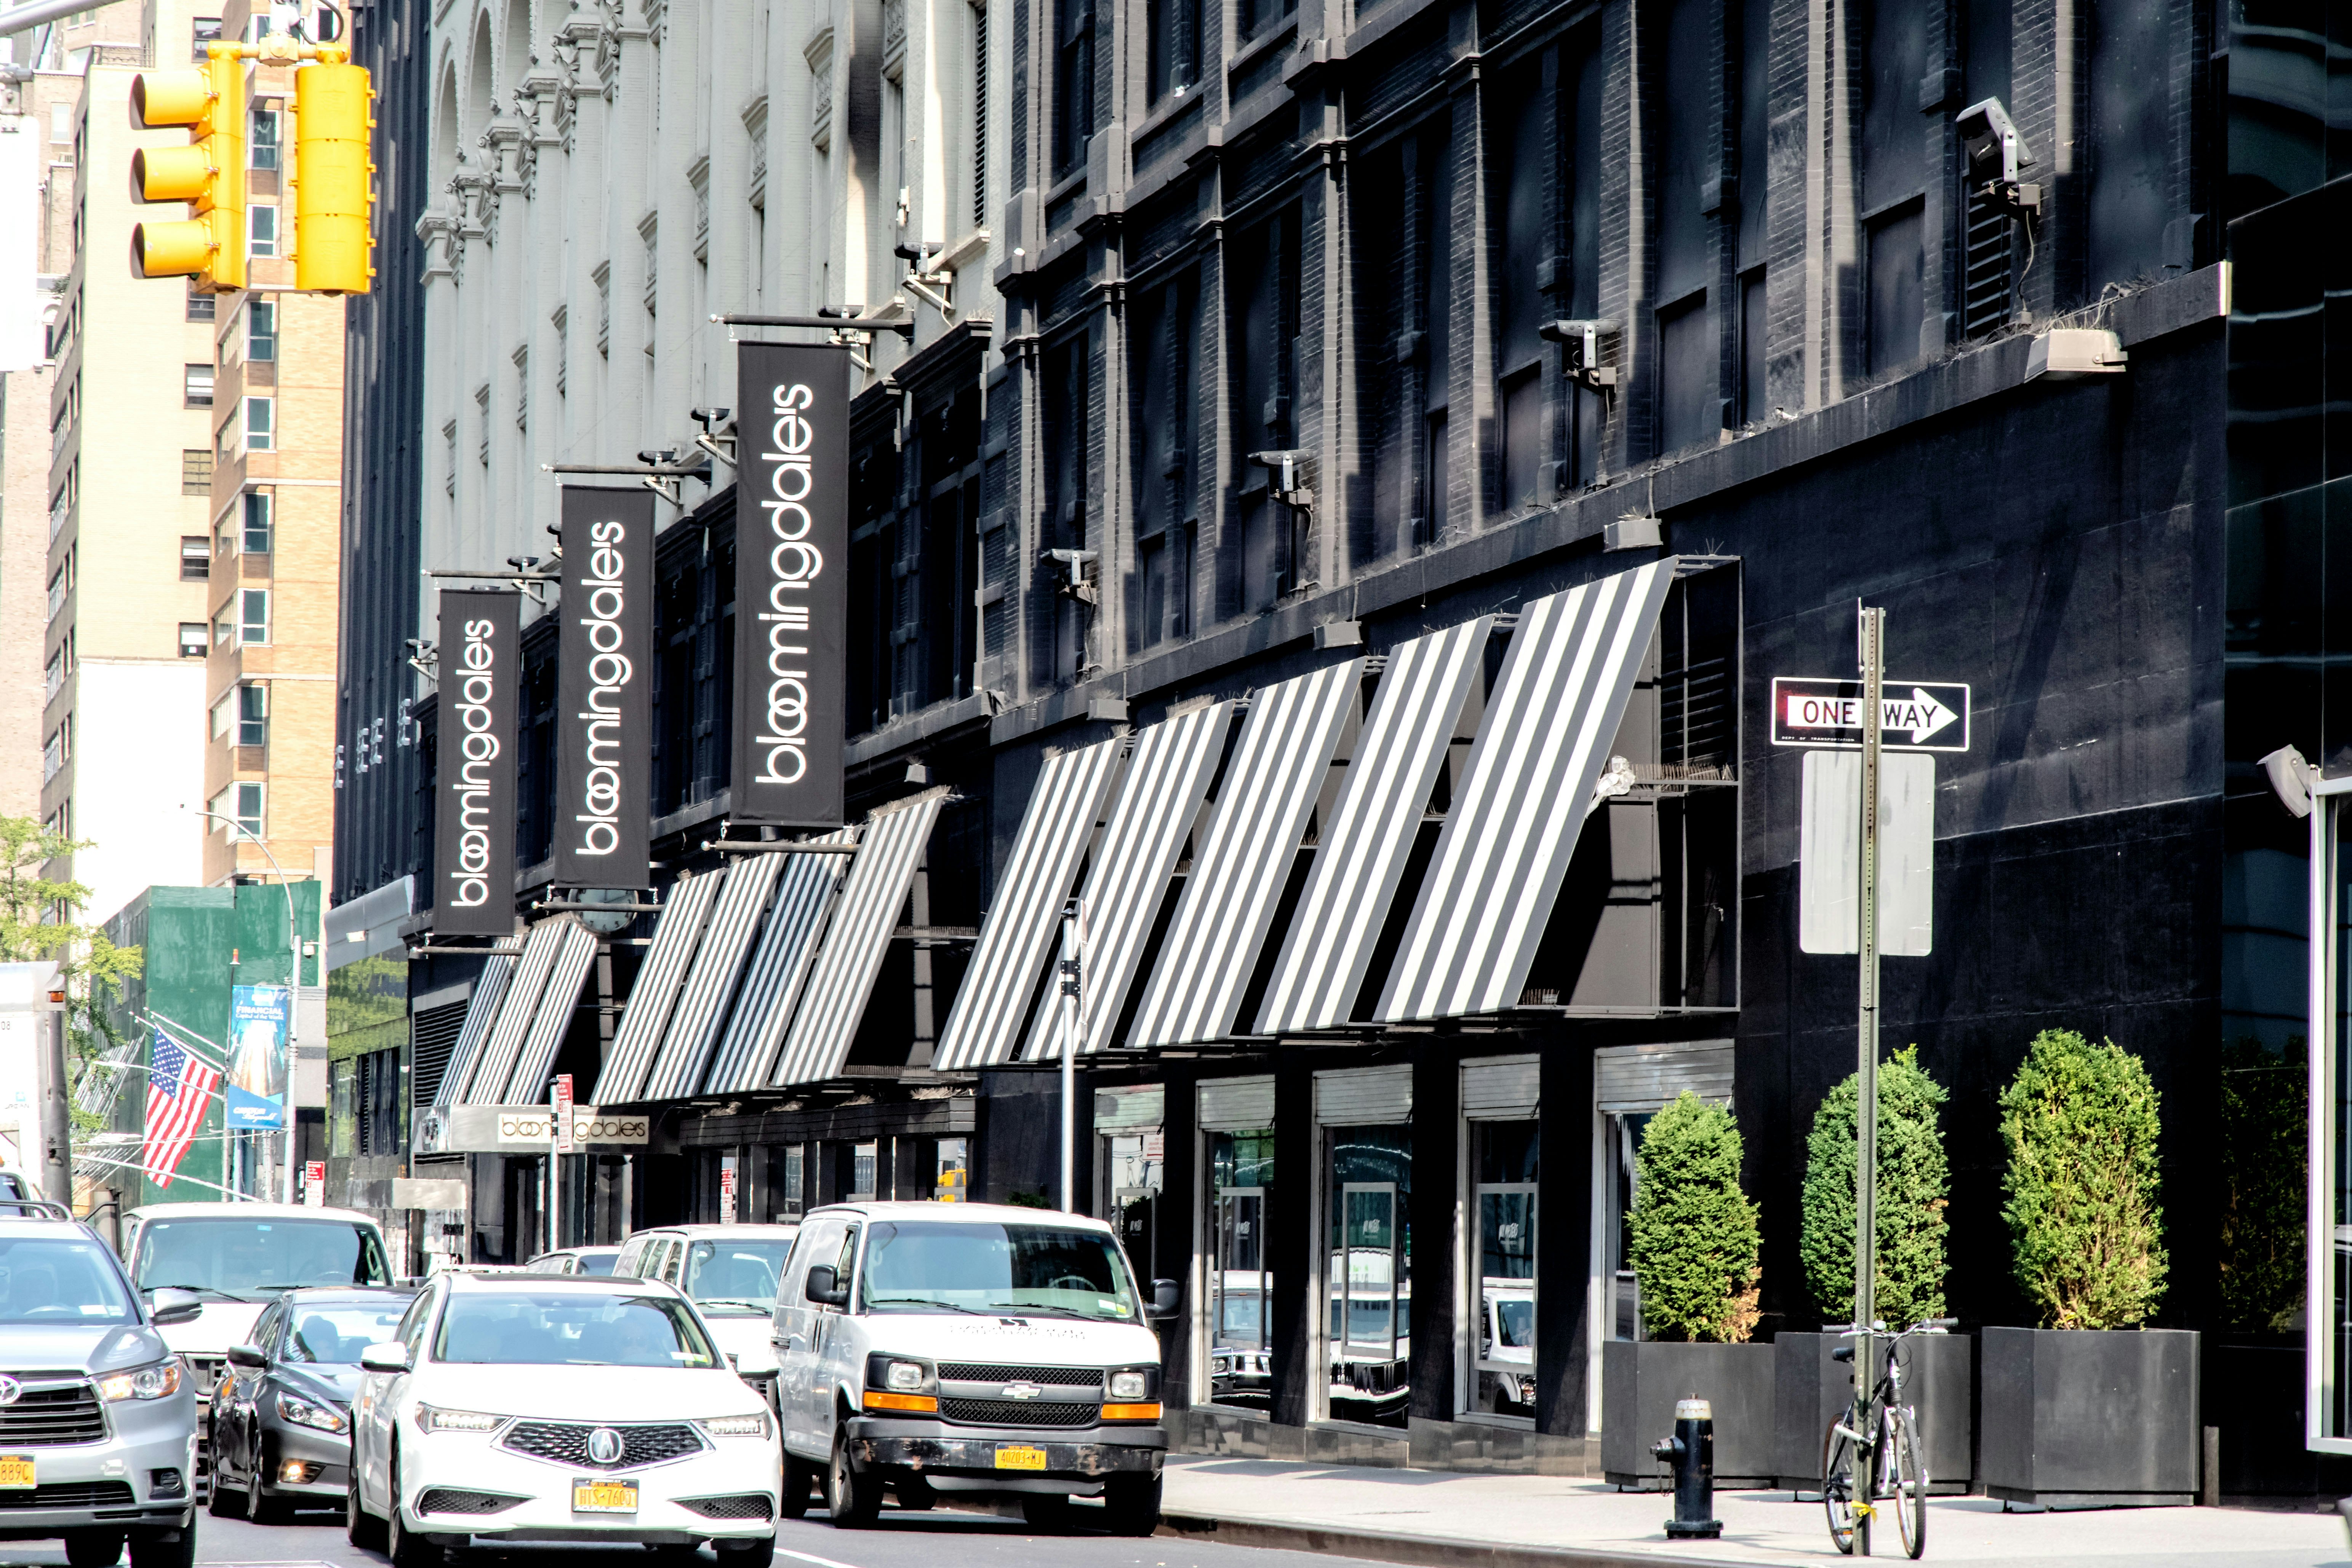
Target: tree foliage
1695,1239
38,925
2080,1122
2264,1157
1914,1190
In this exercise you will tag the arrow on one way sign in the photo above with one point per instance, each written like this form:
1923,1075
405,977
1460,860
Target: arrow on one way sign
1809,711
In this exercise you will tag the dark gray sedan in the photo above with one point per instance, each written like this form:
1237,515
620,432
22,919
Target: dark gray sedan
280,1419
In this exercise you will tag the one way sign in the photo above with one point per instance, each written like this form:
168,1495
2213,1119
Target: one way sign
1915,715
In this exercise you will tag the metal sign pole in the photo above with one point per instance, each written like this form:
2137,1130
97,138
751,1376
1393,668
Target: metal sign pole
1071,978
1873,634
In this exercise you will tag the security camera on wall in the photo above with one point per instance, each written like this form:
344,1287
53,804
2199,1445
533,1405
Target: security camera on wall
2290,778
1996,156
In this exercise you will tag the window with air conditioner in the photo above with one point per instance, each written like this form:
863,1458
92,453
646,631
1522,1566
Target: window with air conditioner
196,558
196,383
191,639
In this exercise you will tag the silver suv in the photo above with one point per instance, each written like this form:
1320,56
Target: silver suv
98,1422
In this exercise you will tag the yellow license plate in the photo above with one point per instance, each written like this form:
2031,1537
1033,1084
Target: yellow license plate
17,1470
1014,1458
604,1497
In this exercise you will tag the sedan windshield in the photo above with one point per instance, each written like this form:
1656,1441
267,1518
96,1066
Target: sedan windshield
1015,1269
255,1257
334,1332
54,1280
730,1273
570,1328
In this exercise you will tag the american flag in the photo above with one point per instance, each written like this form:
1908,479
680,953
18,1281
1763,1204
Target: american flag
179,1087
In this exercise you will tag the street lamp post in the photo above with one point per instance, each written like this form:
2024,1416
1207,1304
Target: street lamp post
293,982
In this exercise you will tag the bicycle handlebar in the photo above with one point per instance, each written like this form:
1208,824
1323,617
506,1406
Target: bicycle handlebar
1880,1330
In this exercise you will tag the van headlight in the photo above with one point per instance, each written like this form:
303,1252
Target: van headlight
432,1418
304,1413
158,1382
1135,1383
738,1426
900,1385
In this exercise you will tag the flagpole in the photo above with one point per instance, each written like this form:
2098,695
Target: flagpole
173,1032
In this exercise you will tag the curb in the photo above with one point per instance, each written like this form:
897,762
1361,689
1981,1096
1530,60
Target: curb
1417,1551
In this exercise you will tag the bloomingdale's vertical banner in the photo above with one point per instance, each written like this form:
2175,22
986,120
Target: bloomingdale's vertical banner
603,689
791,591
474,830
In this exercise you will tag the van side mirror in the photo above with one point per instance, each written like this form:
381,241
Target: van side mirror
171,1305
389,1356
825,1286
1166,1298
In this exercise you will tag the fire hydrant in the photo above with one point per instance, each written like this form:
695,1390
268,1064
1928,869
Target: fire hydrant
1691,1452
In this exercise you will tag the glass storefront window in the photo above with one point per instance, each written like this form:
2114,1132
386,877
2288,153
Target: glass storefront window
1130,1175
1504,1174
1240,1282
1622,1133
865,1165
951,1172
1368,1271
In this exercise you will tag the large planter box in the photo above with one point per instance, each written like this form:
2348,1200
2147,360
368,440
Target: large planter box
2090,1419
1642,1380
1938,1373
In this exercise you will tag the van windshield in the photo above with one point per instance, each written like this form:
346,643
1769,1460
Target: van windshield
251,1259
735,1276
1017,1271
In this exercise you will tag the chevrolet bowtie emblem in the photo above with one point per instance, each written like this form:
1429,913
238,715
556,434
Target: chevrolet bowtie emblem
1022,1390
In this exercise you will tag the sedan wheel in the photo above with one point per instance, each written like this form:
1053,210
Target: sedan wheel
261,1508
363,1528
225,1501
853,1499
406,1548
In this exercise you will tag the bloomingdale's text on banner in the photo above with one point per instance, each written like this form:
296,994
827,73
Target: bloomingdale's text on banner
603,689
473,827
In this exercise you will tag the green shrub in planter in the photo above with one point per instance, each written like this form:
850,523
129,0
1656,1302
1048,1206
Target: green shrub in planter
2264,1161
2080,1122
1914,1188
1694,1241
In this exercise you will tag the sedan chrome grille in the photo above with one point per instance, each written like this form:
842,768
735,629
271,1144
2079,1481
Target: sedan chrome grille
566,1442
451,1500
1021,1412
1043,1377
52,1417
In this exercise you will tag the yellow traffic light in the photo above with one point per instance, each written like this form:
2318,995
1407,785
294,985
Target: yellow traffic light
208,173
334,190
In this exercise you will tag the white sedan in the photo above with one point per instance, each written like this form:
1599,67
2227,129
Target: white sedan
527,1408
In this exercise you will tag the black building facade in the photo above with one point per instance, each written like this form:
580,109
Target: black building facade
1330,333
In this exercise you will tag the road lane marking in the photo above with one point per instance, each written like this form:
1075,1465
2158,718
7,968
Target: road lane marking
812,1557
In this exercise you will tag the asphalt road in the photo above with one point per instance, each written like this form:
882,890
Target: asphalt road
937,1539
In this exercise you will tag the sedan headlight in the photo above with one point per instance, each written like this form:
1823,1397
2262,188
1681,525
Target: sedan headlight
303,1412
432,1419
738,1426
158,1382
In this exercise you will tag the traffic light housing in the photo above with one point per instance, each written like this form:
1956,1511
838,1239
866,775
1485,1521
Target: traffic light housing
208,173
333,188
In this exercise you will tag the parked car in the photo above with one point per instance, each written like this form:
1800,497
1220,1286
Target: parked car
729,1272
1506,1342
928,1348
98,1429
575,1260
279,1430
481,1418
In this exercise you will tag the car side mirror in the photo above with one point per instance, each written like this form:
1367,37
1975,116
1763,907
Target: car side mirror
389,1356
825,1286
247,1356
1166,1298
172,1305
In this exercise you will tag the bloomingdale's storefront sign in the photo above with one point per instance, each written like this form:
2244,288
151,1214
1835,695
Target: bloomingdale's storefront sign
603,689
474,824
791,599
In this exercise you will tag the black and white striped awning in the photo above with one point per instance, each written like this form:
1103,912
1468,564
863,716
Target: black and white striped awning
984,1023
647,1017
1524,796
779,967
1279,766
695,1021
481,1014
1158,800
825,1023
552,1018
487,1083
1364,846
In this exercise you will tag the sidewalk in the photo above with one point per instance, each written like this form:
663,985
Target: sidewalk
1443,1518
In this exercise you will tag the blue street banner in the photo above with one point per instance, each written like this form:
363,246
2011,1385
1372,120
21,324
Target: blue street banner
259,1016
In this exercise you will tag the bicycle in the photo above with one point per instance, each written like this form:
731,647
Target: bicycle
1898,1472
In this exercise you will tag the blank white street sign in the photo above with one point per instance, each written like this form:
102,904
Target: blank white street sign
1829,899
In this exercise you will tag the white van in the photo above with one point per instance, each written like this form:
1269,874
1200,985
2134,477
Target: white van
967,1348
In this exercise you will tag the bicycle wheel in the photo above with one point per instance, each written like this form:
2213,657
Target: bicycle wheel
1906,1486
1837,1484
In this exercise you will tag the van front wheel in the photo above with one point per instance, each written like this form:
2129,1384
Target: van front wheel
1131,1504
853,1499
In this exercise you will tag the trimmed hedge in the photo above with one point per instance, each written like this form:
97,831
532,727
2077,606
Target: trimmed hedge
1694,1241
1913,1191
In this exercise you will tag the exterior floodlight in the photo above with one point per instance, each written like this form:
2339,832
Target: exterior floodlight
1996,156
2290,778
1586,341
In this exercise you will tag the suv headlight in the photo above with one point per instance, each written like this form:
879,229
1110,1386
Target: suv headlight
158,1382
304,1413
738,1426
432,1419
